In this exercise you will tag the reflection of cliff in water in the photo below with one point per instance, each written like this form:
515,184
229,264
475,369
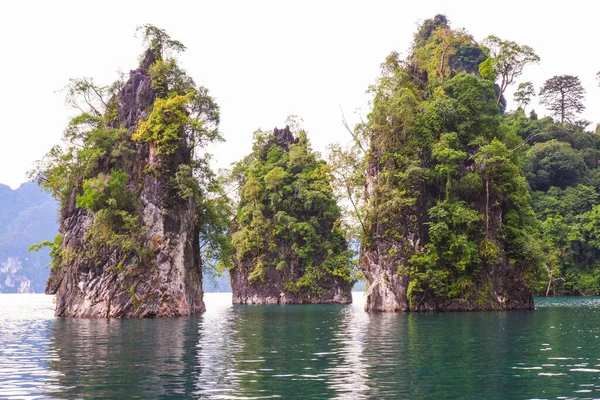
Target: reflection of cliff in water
124,358
425,356
291,348
265,351
304,352
422,356
214,352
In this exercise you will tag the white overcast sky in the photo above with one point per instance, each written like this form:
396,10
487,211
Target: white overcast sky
261,60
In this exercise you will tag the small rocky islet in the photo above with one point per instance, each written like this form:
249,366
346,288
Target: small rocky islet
129,241
436,187
289,245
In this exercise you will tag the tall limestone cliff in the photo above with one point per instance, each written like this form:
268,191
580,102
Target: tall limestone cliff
448,222
289,246
132,209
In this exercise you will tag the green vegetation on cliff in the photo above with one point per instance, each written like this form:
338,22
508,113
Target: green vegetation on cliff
287,218
467,186
446,195
100,167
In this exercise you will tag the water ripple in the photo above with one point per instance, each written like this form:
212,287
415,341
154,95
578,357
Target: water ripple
235,352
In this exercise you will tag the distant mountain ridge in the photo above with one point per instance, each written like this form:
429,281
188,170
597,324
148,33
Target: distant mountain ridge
28,215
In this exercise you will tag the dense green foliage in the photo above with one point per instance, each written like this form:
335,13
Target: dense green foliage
561,166
451,162
287,216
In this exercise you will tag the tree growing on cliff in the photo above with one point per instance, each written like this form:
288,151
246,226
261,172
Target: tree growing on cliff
348,170
563,96
523,95
508,60
440,47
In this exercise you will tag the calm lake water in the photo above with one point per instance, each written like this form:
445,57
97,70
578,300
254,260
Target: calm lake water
302,352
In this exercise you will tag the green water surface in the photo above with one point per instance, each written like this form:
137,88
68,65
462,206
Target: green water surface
303,352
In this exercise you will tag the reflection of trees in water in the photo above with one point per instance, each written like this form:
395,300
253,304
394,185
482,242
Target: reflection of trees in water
124,358
424,356
282,350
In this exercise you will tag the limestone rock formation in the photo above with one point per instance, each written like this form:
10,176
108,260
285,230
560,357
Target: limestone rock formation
162,276
272,288
448,220
389,286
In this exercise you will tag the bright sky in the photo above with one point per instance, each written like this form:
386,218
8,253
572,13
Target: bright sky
261,60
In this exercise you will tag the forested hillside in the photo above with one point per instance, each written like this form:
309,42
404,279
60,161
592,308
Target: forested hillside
561,167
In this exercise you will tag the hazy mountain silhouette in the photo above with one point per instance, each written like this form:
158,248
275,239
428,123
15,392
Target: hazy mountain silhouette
28,216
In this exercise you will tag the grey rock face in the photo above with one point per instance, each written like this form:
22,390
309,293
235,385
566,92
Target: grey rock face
379,261
284,137
387,289
270,291
170,283
137,94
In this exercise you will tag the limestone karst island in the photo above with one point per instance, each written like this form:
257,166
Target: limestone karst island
442,199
